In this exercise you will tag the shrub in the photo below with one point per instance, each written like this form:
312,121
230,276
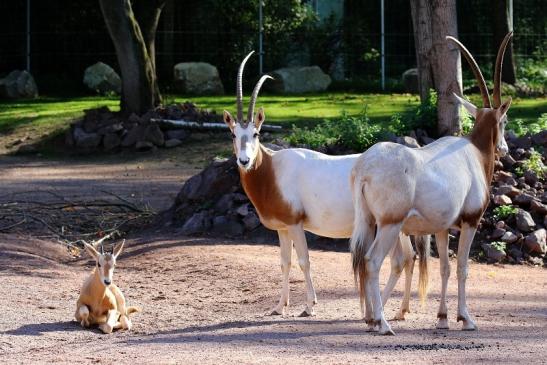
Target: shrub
505,211
533,163
424,117
520,128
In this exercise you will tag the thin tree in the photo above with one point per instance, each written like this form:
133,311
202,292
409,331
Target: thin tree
502,23
439,63
132,26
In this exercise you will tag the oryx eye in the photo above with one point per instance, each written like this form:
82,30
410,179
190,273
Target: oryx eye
256,135
98,264
233,136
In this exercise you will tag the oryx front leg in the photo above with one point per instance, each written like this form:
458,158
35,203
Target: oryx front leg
466,238
386,239
296,233
82,316
441,239
111,321
285,245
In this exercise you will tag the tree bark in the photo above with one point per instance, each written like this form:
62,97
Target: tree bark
421,15
502,23
135,51
447,70
439,64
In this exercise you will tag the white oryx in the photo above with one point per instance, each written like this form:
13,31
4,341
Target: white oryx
428,190
296,190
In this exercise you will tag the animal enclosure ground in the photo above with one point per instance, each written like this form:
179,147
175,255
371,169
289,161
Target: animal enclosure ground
204,301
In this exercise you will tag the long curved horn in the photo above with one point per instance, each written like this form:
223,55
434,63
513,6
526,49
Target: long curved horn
476,71
254,96
239,88
102,249
497,71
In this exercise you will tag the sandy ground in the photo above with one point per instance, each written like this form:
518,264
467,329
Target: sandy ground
205,301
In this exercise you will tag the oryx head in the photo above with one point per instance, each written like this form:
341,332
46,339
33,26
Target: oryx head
495,115
105,262
245,132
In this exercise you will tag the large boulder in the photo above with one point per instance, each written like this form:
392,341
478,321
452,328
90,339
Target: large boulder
18,84
294,80
198,78
102,79
410,81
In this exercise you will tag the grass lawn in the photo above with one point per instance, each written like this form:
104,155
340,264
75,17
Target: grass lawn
47,115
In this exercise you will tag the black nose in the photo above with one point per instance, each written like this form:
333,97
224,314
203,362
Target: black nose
244,162
107,282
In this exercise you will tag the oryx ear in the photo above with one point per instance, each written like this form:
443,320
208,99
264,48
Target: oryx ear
118,249
230,122
91,250
502,110
259,118
472,109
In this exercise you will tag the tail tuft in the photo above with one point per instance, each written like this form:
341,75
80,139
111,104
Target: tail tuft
423,246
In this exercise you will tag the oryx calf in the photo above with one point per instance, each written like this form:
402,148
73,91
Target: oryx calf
428,190
101,302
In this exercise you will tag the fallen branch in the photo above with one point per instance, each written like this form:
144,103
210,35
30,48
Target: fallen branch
209,125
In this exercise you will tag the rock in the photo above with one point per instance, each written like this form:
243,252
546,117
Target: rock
508,161
536,241
540,138
524,142
410,81
516,254
243,210
225,203
135,134
85,140
294,80
535,260
530,177
112,128
197,223
509,237
493,254
407,141
142,146
502,200
198,78
497,233
227,226
427,140
102,79
173,142
538,207
111,141
251,221
508,190
153,134
500,224
17,85
524,220
523,199
179,134
505,177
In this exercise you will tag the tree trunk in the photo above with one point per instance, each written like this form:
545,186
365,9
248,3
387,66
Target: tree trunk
421,15
140,91
439,65
502,23
447,70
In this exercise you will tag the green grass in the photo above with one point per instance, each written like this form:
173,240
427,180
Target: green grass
48,114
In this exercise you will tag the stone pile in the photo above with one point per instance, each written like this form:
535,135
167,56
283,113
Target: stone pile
101,129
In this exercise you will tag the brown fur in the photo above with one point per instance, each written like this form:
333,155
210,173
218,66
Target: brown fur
261,187
98,298
442,315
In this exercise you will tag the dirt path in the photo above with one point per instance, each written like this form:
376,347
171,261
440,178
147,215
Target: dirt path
204,301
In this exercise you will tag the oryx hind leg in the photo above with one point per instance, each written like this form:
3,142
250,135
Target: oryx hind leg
285,245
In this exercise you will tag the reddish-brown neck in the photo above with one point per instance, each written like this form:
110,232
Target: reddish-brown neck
484,136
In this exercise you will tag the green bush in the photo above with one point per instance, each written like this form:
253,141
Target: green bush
533,163
424,117
520,128
505,211
353,132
